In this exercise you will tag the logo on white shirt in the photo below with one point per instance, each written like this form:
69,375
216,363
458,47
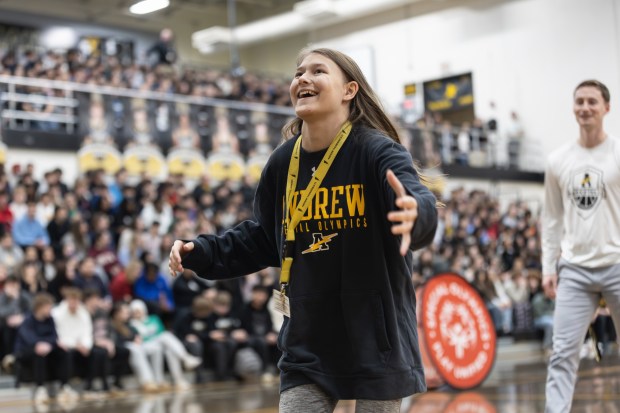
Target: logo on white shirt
586,190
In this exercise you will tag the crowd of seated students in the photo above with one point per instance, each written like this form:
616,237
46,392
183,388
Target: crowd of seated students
498,251
101,70
118,120
89,278
479,143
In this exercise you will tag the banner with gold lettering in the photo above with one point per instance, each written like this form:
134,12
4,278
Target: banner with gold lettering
449,93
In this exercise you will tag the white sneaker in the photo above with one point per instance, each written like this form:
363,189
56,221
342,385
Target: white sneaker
182,386
66,393
267,378
40,395
8,362
191,362
587,350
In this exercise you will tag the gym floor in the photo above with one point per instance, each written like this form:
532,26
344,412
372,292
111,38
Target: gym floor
511,388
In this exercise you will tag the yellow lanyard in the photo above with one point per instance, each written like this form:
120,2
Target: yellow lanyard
306,198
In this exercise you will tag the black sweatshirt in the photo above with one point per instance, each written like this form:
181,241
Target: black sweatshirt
353,326
32,331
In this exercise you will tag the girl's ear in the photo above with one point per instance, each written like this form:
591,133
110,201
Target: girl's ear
351,89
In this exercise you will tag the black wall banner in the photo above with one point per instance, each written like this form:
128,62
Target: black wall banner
449,93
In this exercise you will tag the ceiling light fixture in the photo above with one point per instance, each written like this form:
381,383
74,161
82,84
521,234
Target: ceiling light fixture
148,6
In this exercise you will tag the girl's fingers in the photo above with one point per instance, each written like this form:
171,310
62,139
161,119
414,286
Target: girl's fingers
402,229
407,214
398,188
404,243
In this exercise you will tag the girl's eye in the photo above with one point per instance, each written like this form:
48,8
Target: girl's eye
297,74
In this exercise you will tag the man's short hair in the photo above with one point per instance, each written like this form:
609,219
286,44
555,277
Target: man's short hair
72,292
596,84
12,279
40,300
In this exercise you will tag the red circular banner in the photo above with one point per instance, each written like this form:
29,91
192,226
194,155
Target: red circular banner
458,330
433,379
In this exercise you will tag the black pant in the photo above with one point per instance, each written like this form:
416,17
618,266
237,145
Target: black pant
55,365
196,348
268,353
96,363
8,335
223,353
119,364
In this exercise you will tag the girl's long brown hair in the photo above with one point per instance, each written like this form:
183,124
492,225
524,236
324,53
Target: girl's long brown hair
365,108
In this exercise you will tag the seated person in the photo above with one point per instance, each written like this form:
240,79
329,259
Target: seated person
88,279
191,329
102,341
75,335
11,255
37,345
151,329
15,305
543,308
186,288
256,321
152,288
146,361
28,230
225,335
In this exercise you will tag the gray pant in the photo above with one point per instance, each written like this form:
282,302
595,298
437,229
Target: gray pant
579,291
310,398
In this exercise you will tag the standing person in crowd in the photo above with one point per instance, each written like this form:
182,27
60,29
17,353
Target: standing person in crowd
37,345
368,193
163,51
581,237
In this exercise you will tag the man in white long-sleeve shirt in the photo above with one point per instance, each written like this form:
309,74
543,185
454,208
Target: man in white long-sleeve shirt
580,237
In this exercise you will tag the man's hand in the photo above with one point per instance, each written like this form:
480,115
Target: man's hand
15,320
217,335
178,251
42,348
550,285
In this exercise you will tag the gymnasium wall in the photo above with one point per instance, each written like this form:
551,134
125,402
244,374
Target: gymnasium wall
525,55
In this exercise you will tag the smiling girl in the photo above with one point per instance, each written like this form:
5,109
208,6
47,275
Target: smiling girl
339,207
